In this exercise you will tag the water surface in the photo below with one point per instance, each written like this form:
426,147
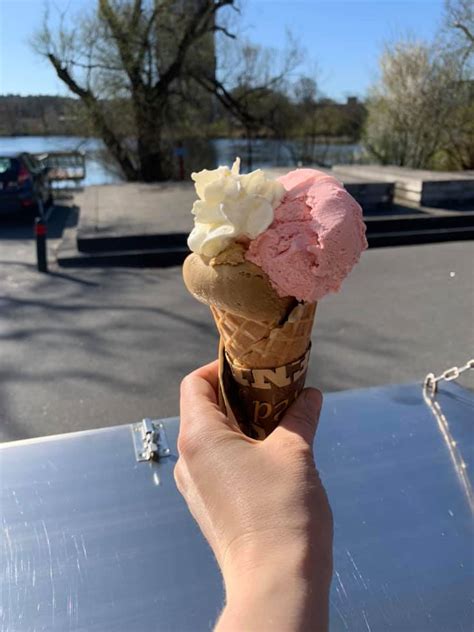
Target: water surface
265,153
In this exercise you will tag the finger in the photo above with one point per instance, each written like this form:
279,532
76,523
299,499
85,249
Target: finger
302,418
202,382
179,476
198,400
210,373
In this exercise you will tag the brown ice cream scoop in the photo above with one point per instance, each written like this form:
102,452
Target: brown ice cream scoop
231,283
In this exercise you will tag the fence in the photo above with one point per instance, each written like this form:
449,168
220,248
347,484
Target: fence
66,168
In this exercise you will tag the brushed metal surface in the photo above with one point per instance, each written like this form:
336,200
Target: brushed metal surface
94,541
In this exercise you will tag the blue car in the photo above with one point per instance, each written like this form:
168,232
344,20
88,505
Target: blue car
24,185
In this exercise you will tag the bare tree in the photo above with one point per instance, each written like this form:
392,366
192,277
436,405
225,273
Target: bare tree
459,26
128,62
250,83
316,125
306,94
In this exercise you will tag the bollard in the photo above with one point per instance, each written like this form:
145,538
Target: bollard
40,234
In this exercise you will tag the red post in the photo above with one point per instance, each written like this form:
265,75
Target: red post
41,254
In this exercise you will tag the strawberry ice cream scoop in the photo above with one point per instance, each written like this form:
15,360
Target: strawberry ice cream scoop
315,239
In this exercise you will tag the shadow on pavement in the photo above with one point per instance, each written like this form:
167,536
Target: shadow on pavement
51,274
69,277
105,351
58,219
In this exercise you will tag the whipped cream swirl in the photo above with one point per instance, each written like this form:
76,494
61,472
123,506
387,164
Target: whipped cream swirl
231,207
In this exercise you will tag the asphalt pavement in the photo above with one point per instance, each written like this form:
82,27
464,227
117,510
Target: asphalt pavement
136,208
101,347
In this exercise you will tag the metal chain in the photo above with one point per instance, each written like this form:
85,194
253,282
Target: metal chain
429,391
430,384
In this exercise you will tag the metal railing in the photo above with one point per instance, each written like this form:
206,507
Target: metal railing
64,166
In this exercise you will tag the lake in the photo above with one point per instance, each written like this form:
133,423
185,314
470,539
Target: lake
221,151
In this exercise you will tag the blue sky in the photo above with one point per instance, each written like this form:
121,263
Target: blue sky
343,38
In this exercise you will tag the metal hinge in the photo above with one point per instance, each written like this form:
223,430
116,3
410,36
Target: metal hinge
150,441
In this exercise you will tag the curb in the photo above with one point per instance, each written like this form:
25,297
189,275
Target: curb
170,249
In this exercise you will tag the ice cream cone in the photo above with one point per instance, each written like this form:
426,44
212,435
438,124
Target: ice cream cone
252,344
262,366
264,252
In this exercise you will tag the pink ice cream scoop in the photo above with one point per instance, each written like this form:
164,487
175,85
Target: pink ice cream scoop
315,239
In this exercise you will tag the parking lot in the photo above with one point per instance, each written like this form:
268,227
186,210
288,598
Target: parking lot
104,346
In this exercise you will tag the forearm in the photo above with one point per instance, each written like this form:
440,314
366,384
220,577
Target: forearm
294,608
283,597
262,508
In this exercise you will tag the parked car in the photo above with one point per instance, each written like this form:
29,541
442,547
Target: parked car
24,185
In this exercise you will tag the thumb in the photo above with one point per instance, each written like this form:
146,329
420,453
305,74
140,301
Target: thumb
302,418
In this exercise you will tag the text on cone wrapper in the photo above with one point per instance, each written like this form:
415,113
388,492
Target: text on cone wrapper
264,378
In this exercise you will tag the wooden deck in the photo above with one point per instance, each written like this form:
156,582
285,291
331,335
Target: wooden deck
423,187
371,193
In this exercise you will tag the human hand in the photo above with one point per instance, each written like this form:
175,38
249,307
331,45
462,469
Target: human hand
262,508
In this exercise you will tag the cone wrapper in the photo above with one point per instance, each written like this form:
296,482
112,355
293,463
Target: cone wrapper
256,399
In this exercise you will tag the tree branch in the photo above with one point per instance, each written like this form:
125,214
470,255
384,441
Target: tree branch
122,37
93,66
144,45
465,30
196,28
221,29
92,104
213,85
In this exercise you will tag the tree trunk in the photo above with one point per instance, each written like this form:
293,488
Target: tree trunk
116,148
152,153
154,167
99,119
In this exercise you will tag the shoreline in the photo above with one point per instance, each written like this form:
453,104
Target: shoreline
320,140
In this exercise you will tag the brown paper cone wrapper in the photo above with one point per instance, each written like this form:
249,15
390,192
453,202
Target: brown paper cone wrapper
257,399
262,366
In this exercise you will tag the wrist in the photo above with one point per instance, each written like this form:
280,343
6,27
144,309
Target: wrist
285,590
277,600
275,555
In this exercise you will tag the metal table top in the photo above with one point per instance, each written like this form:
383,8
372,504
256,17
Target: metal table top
94,540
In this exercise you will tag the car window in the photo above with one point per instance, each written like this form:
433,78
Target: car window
8,168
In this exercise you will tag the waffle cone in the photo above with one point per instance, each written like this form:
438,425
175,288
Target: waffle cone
260,345
262,367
